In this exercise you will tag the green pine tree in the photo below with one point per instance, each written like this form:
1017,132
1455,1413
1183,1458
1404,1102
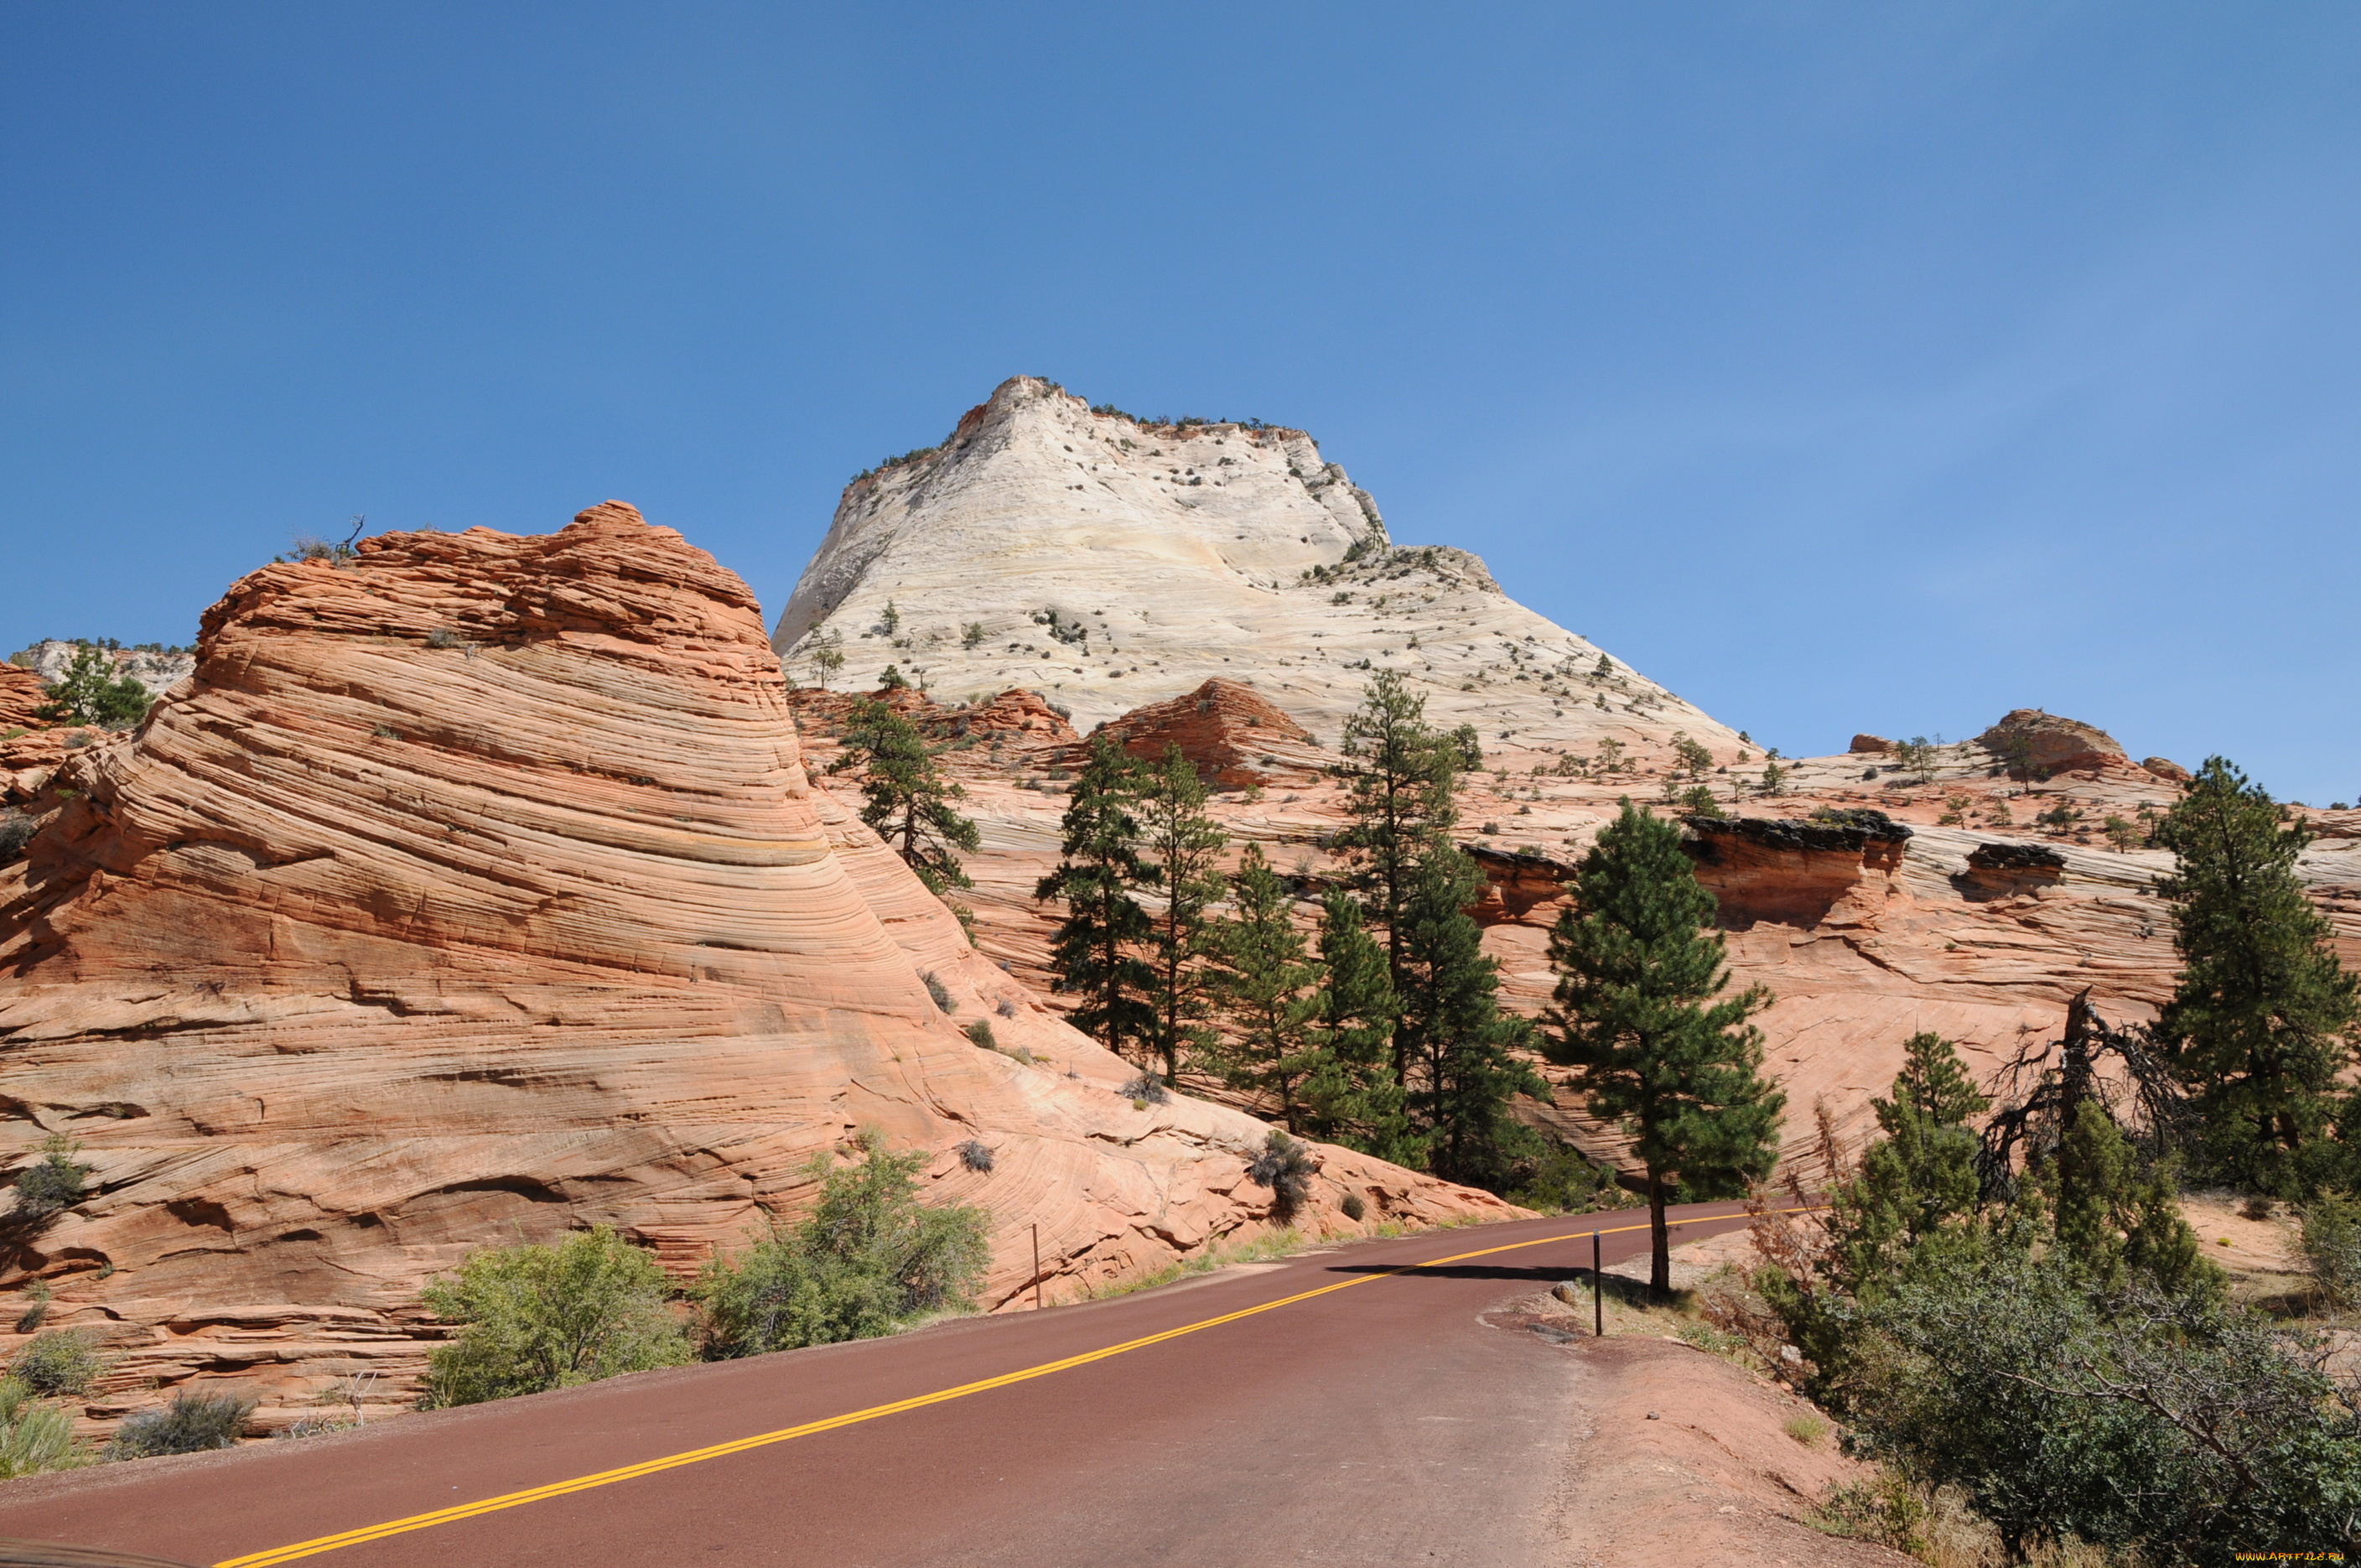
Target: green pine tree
1460,1048
1181,847
907,800
90,691
1268,992
1640,969
2117,1220
1919,1181
1094,951
1402,778
1353,1097
2261,1024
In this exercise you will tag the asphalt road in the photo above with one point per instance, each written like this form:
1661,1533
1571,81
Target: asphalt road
1382,1422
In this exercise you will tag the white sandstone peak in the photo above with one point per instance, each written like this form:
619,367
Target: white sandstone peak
1107,563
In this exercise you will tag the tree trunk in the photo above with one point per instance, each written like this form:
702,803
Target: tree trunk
1660,1247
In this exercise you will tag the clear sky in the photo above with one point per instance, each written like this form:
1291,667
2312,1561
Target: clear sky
1874,366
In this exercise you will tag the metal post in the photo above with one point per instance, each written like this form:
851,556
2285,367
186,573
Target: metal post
1037,1268
1598,1305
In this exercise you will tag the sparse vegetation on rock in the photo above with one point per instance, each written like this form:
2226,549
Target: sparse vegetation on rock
537,1316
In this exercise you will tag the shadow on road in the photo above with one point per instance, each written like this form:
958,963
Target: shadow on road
1465,1271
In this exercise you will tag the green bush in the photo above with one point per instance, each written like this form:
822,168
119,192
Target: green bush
52,1183
90,691
63,1361
549,1317
34,1437
2331,1244
191,1423
872,1256
1563,1182
16,830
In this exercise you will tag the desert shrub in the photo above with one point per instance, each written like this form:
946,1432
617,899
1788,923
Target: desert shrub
52,1183
1286,1168
1805,1428
1145,1086
444,637
1560,1181
975,1154
16,830
973,636
536,1317
980,1032
1353,1206
939,992
191,1423
34,1437
872,1256
1007,1007
63,1361
2331,1244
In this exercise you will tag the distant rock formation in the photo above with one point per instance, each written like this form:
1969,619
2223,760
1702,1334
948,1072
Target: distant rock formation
158,672
2166,769
1233,735
1793,870
476,889
2052,743
2005,869
22,694
1870,746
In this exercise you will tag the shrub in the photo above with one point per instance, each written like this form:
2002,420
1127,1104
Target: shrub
871,1256
537,1317
90,691
63,1361
37,1309
939,992
1146,1087
975,1154
1007,1007
1286,1168
16,830
191,1423
980,1032
52,1183
1353,1206
443,637
34,1437
973,635
1805,1428
2331,1244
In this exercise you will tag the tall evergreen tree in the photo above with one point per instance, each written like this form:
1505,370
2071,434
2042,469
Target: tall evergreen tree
1181,849
2262,1022
1093,951
1351,1096
1402,779
1919,1180
1459,1047
907,800
1639,969
1267,993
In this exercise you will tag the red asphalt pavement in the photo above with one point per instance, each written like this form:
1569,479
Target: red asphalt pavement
1385,1423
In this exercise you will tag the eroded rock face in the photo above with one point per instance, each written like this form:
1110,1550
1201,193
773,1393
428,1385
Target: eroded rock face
2166,768
2052,743
1233,736
22,696
477,889
1794,870
1870,746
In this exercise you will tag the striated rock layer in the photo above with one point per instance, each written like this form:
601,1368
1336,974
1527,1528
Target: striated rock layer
477,889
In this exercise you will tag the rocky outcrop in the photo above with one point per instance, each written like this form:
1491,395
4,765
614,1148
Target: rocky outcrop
1516,883
1234,736
1109,563
2166,769
1793,870
477,888
22,696
2003,870
2050,743
1870,746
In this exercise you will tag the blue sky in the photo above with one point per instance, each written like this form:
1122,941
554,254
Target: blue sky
1843,366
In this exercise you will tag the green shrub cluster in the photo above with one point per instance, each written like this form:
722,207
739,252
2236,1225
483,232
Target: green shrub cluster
34,1437
872,1256
536,1317
191,1423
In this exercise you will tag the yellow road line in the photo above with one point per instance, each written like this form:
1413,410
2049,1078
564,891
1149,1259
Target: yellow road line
762,1440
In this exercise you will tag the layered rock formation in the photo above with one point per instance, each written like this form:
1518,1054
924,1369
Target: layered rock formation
22,696
1234,737
2052,743
477,888
1105,563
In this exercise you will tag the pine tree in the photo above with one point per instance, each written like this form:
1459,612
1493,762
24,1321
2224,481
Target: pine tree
1093,951
907,800
1351,1096
1920,1180
1267,991
90,691
1639,969
2262,1022
1181,847
1402,779
1459,1047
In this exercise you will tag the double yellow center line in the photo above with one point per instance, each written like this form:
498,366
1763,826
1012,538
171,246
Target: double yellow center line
942,1396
